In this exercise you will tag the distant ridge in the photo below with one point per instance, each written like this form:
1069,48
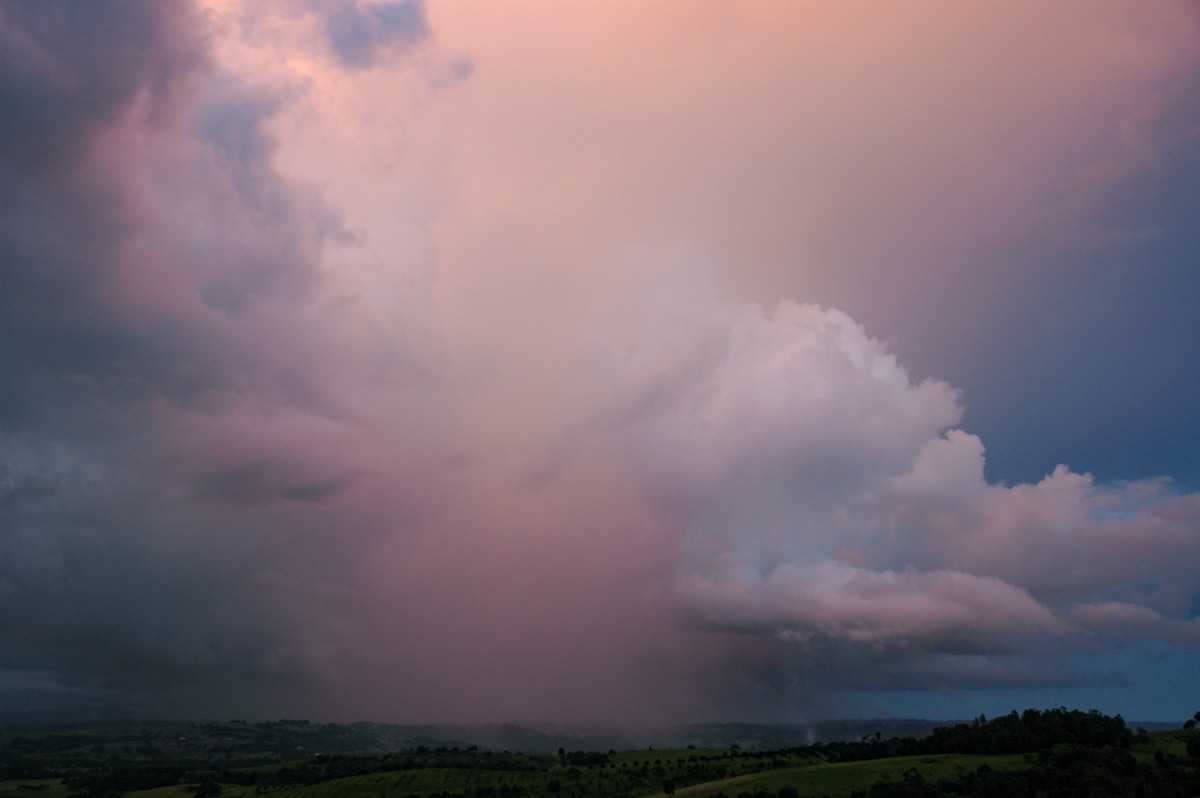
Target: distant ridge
366,737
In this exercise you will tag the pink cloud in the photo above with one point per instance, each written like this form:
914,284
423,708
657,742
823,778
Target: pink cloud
932,609
346,387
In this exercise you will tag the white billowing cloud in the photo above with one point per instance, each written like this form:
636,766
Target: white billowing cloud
829,503
943,611
712,394
1065,538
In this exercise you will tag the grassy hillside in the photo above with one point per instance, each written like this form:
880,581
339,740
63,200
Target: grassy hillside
845,778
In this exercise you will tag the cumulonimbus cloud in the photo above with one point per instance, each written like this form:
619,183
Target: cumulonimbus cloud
272,439
829,500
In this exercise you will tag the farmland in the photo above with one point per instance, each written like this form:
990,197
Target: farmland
1044,753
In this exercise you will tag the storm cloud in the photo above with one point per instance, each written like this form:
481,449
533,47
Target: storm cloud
353,364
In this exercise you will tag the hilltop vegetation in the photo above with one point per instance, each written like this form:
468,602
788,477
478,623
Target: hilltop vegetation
1037,753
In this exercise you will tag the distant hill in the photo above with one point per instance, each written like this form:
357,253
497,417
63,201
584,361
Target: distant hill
287,738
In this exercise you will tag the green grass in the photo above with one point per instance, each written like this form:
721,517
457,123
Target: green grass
1171,742
53,788
843,778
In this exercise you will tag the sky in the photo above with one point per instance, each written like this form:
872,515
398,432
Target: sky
599,362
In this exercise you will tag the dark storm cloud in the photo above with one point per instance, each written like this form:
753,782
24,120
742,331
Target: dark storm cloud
113,210
141,222
70,72
66,68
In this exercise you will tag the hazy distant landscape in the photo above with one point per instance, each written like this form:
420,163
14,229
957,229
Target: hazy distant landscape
285,738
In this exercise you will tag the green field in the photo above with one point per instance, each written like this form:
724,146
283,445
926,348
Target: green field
33,788
843,778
